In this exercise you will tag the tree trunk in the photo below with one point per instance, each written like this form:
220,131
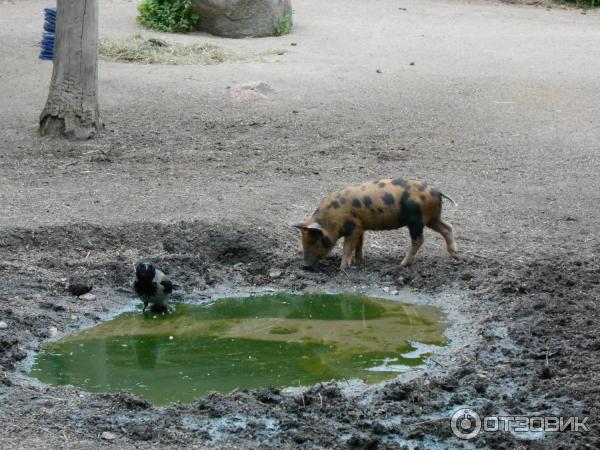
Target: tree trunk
72,106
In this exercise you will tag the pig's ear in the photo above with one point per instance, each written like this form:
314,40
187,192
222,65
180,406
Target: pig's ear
314,226
298,225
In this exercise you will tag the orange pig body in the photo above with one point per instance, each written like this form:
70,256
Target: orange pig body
380,205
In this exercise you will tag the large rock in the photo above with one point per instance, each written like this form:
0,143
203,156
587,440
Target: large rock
241,18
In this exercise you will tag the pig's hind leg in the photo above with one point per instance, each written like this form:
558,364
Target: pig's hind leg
445,229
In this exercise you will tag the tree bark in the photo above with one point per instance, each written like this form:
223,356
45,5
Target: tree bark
72,106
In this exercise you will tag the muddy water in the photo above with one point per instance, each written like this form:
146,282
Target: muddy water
237,343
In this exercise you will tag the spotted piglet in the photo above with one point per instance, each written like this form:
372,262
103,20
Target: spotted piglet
380,205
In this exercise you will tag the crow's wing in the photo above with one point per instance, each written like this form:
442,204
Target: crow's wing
167,286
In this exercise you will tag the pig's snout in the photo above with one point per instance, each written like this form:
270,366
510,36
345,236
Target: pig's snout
309,261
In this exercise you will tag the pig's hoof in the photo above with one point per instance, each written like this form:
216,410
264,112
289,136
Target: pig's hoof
345,264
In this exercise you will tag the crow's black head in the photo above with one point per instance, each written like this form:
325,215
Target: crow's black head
145,271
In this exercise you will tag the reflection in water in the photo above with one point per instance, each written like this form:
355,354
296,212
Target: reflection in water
146,352
275,340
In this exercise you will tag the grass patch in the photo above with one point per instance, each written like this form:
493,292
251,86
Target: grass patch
581,3
284,26
141,50
173,16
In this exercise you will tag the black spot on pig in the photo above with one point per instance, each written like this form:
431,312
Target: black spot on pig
400,182
423,197
380,210
334,204
438,195
356,203
423,186
326,242
410,215
343,200
381,184
388,198
312,238
348,228
367,201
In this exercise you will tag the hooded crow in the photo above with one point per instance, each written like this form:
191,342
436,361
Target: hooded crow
151,285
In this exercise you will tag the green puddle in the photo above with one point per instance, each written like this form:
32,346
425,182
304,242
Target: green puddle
241,343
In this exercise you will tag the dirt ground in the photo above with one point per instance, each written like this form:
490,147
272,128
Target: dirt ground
497,104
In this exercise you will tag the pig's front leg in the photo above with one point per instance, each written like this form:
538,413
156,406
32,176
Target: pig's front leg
351,244
358,251
346,254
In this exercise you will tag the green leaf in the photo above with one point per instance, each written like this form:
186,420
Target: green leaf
174,16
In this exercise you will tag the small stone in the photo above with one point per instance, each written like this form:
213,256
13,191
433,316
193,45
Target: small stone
546,373
251,91
53,331
275,273
378,71
108,436
412,63
88,297
293,44
480,388
386,289
79,284
3,325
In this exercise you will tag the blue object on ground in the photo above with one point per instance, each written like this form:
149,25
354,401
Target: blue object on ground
47,42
